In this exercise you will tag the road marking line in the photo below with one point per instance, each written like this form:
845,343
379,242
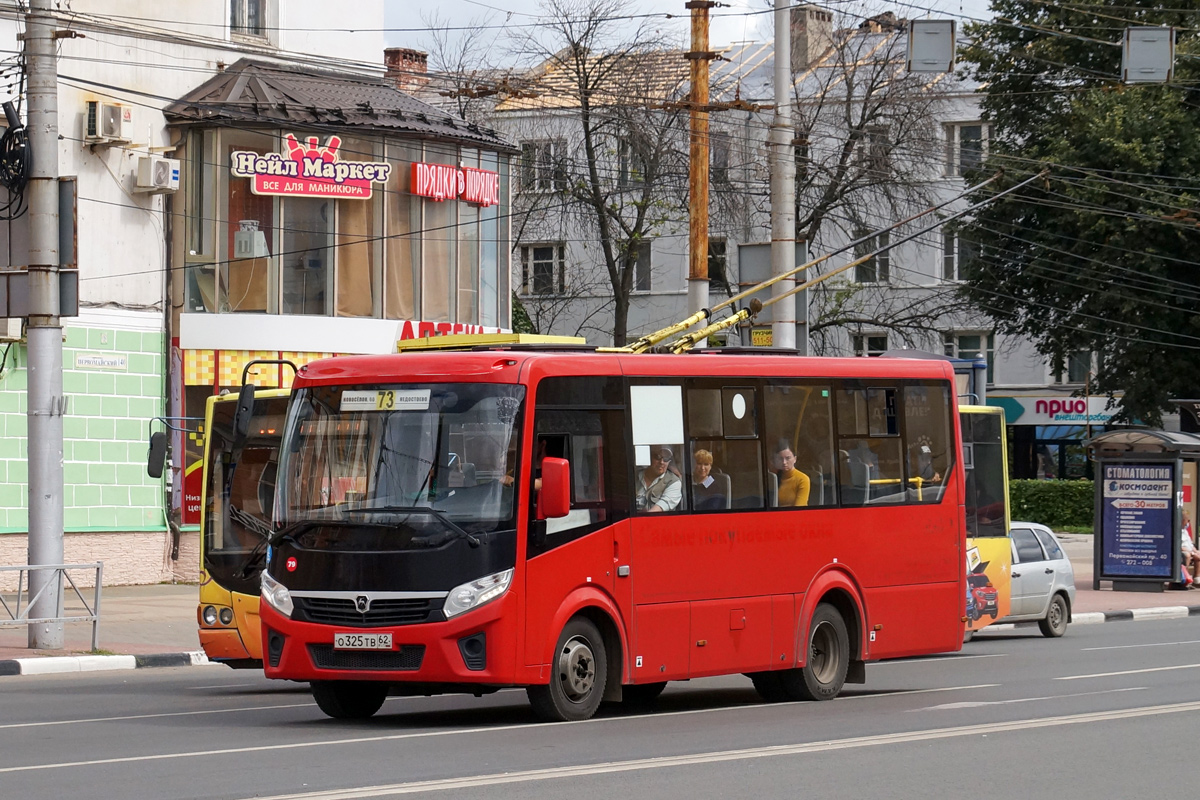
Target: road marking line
931,660
610,767
1125,672
980,703
1133,646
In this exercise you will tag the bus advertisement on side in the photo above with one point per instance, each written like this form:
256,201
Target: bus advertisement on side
591,525
989,549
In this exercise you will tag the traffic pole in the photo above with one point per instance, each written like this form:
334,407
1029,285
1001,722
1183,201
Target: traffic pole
700,55
783,185
46,403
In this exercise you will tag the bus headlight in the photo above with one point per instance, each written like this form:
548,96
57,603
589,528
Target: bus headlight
476,593
209,615
276,595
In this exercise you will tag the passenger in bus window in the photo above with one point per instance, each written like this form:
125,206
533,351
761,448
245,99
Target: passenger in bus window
708,491
794,485
921,463
659,489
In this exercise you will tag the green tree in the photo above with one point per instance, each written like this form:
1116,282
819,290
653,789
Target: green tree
1104,254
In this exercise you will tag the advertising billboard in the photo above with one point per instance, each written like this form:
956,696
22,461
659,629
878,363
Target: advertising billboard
1137,525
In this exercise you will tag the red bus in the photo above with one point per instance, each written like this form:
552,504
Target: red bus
592,525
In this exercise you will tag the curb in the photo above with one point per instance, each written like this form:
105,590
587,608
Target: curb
1094,617
54,665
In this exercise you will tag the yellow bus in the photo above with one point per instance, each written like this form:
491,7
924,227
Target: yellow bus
237,496
989,553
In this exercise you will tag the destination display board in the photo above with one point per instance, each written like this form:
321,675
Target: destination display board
1138,536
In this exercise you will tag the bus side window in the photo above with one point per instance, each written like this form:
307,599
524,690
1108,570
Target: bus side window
870,467
582,419
800,417
929,445
723,429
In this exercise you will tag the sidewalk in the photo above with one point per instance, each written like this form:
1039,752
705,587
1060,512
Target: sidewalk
156,625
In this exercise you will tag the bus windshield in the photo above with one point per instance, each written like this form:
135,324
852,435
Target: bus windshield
419,458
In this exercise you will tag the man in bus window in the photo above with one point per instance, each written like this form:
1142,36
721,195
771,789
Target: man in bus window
794,485
659,489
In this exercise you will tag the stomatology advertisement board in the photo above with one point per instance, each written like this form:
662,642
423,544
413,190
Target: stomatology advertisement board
1138,514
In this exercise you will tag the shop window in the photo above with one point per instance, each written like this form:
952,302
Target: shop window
877,268
468,251
201,236
799,423
360,244
402,265
306,258
248,264
489,253
440,245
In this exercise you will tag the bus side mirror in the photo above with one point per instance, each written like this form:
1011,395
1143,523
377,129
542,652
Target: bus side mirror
157,457
554,499
243,413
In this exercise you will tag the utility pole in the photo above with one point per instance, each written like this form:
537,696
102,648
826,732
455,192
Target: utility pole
783,187
46,403
700,55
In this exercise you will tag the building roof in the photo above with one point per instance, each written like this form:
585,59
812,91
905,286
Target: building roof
261,93
648,76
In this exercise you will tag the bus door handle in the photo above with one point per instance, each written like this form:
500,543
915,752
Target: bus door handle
623,571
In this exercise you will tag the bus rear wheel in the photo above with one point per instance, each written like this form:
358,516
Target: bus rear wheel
349,699
824,672
578,675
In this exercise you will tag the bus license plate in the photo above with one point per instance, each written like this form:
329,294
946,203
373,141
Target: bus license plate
362,641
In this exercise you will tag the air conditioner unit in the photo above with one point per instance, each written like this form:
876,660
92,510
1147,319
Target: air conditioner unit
108,123
11,329
157,174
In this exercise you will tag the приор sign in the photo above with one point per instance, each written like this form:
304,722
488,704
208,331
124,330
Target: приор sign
1138,537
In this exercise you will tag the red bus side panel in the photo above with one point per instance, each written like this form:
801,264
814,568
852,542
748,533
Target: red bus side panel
662,642
731,636
554,575
915,619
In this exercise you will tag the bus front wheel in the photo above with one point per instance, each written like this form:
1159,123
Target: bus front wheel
349,699
578,675
824,671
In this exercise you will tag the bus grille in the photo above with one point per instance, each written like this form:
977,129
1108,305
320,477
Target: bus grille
406,659
383,612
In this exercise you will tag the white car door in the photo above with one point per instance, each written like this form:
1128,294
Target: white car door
1032,576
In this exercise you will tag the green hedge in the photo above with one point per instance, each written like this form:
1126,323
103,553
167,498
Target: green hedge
1053,503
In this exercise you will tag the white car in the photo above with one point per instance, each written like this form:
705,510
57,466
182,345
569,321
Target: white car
1043,581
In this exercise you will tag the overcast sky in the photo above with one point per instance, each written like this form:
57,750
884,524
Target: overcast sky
407,19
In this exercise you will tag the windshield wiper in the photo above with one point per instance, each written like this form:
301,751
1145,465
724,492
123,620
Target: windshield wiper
254,525
439,515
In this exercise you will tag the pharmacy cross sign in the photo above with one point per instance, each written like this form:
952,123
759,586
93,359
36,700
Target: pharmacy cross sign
309,170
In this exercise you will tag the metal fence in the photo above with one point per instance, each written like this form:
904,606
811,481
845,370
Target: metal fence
16,607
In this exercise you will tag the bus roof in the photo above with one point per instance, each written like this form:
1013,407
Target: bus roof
529,365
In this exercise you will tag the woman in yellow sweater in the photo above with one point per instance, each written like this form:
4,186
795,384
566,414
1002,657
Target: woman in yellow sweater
793,484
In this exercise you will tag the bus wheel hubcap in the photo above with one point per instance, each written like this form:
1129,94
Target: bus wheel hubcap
577,669
823,653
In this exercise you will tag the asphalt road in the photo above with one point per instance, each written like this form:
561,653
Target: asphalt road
1110,710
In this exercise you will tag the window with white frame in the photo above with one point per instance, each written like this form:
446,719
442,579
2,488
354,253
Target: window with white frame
1077,368
641,267
544,165
874,150
957,251
870,344
966,146
719,157
543,268
878,268
248,17
972,345
631,163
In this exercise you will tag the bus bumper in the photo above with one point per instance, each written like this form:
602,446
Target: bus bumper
428,653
